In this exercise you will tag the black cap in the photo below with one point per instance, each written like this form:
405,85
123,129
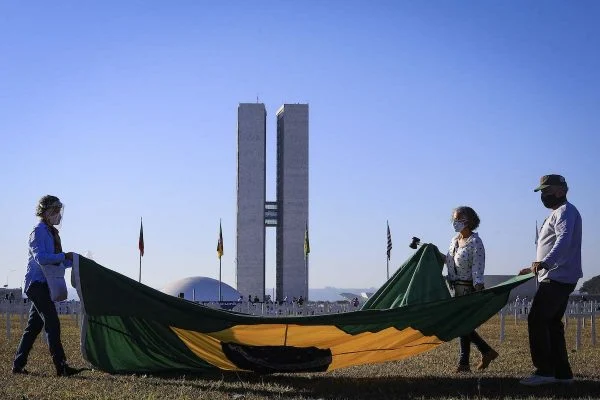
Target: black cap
551,180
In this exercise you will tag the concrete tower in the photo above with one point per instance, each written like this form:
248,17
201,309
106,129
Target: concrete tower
288,214
292,200
251,188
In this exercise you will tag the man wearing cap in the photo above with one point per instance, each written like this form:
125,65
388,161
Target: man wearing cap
558,268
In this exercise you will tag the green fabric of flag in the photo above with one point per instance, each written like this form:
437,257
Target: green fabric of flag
129,327
418,280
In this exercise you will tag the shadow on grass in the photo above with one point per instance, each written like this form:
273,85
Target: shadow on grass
430,387
337,387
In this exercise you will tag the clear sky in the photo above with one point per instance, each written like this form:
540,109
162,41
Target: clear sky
126,109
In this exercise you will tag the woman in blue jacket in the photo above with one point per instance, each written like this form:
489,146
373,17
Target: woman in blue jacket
44,249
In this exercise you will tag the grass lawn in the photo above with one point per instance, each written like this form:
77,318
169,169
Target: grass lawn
427,376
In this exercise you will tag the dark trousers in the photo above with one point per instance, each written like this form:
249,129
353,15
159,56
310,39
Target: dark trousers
473,337
465,346
546,331
41,315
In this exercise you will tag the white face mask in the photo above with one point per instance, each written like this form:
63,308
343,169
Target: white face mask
54,219
458,225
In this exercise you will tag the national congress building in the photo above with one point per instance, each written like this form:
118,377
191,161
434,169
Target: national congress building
288,213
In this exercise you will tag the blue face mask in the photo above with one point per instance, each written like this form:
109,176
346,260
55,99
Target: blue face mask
458,225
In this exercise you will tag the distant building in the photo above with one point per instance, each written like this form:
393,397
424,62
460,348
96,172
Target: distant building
251,192
362,296
198,288
288,214
292,200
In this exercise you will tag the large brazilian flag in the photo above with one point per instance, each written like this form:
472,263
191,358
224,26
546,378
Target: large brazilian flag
129,327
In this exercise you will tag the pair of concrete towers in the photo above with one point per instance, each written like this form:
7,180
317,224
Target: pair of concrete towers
288,214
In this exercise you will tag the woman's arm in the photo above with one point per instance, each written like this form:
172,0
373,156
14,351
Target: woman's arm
41,246
478,268
451,267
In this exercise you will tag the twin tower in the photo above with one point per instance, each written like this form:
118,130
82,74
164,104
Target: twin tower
288,214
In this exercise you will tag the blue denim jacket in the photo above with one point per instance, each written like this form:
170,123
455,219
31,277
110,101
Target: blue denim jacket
41,252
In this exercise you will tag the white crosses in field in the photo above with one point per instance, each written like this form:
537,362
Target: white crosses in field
580,310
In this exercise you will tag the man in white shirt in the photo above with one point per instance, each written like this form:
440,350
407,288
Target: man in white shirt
558,268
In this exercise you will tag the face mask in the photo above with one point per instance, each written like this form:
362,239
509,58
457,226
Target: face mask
458,225
54,219
551,201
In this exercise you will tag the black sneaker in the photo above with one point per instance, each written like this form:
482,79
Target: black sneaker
16,370
65,370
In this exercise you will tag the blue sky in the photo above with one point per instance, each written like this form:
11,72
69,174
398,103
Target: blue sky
128,109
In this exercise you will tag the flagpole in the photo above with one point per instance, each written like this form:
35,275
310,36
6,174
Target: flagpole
220,254
306,253
306,269
388,267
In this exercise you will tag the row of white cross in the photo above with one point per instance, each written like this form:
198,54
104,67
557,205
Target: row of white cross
583,312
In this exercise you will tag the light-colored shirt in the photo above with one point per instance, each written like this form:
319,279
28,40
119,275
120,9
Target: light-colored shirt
41,252
467,262
559,245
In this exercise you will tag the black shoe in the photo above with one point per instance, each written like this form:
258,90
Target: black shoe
65,370
16,370
487,358
463,368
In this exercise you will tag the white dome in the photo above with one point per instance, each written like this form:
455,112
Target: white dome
200,288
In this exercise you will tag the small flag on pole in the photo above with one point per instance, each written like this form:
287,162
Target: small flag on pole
141,241
306,242
220,242
389,241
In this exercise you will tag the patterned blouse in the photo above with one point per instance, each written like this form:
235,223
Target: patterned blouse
466,263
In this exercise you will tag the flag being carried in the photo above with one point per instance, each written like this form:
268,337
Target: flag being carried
411,314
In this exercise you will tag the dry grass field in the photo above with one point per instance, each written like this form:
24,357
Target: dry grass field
427,376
